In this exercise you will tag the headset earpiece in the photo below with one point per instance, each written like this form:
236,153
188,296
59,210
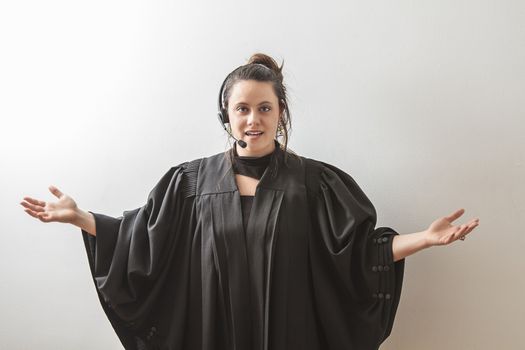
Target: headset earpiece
222,119
222,113
223,116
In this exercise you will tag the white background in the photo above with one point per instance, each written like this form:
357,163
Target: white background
422,102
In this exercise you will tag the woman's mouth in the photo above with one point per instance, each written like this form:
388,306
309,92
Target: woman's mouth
253,134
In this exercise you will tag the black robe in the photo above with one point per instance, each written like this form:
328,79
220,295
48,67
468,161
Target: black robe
311,271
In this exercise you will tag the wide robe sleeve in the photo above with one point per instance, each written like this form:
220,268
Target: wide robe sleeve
133,257
356,282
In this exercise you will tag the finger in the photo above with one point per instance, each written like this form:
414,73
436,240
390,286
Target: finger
455,215
473,221
467,230
471,227
32,207
462,229
35,201
32,213
55,191
44,217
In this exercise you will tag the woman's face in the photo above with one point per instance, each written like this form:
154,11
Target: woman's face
254,107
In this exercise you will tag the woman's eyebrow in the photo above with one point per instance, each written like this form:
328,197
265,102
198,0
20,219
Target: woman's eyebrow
244,103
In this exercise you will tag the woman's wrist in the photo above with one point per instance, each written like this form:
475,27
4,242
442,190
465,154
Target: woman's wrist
426,242
407,244
84,220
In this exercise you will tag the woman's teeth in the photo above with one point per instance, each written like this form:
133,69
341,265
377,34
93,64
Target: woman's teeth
249,133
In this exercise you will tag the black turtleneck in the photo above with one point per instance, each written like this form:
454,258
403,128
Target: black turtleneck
252,167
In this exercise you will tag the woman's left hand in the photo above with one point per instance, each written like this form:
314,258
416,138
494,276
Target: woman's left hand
442,232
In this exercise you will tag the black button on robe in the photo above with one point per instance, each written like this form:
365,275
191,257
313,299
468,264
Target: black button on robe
181,273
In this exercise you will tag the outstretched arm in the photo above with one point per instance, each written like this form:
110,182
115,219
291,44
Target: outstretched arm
440,232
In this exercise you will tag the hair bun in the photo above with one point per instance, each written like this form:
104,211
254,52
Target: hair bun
265,60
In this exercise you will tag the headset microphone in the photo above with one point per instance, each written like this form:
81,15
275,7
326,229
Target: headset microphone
223,117
239,142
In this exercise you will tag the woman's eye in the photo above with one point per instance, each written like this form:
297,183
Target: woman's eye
265,108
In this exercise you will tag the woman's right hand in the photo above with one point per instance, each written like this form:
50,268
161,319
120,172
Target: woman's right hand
64,210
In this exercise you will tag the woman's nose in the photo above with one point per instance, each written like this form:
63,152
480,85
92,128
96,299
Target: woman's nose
253,117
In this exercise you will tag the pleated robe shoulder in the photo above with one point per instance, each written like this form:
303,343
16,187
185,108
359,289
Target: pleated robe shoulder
311,271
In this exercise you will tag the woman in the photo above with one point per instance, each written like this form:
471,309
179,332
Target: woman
192,269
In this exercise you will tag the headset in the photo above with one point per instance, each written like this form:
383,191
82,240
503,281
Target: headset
222,112
223,115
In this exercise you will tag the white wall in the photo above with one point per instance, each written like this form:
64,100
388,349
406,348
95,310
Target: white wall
421,101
